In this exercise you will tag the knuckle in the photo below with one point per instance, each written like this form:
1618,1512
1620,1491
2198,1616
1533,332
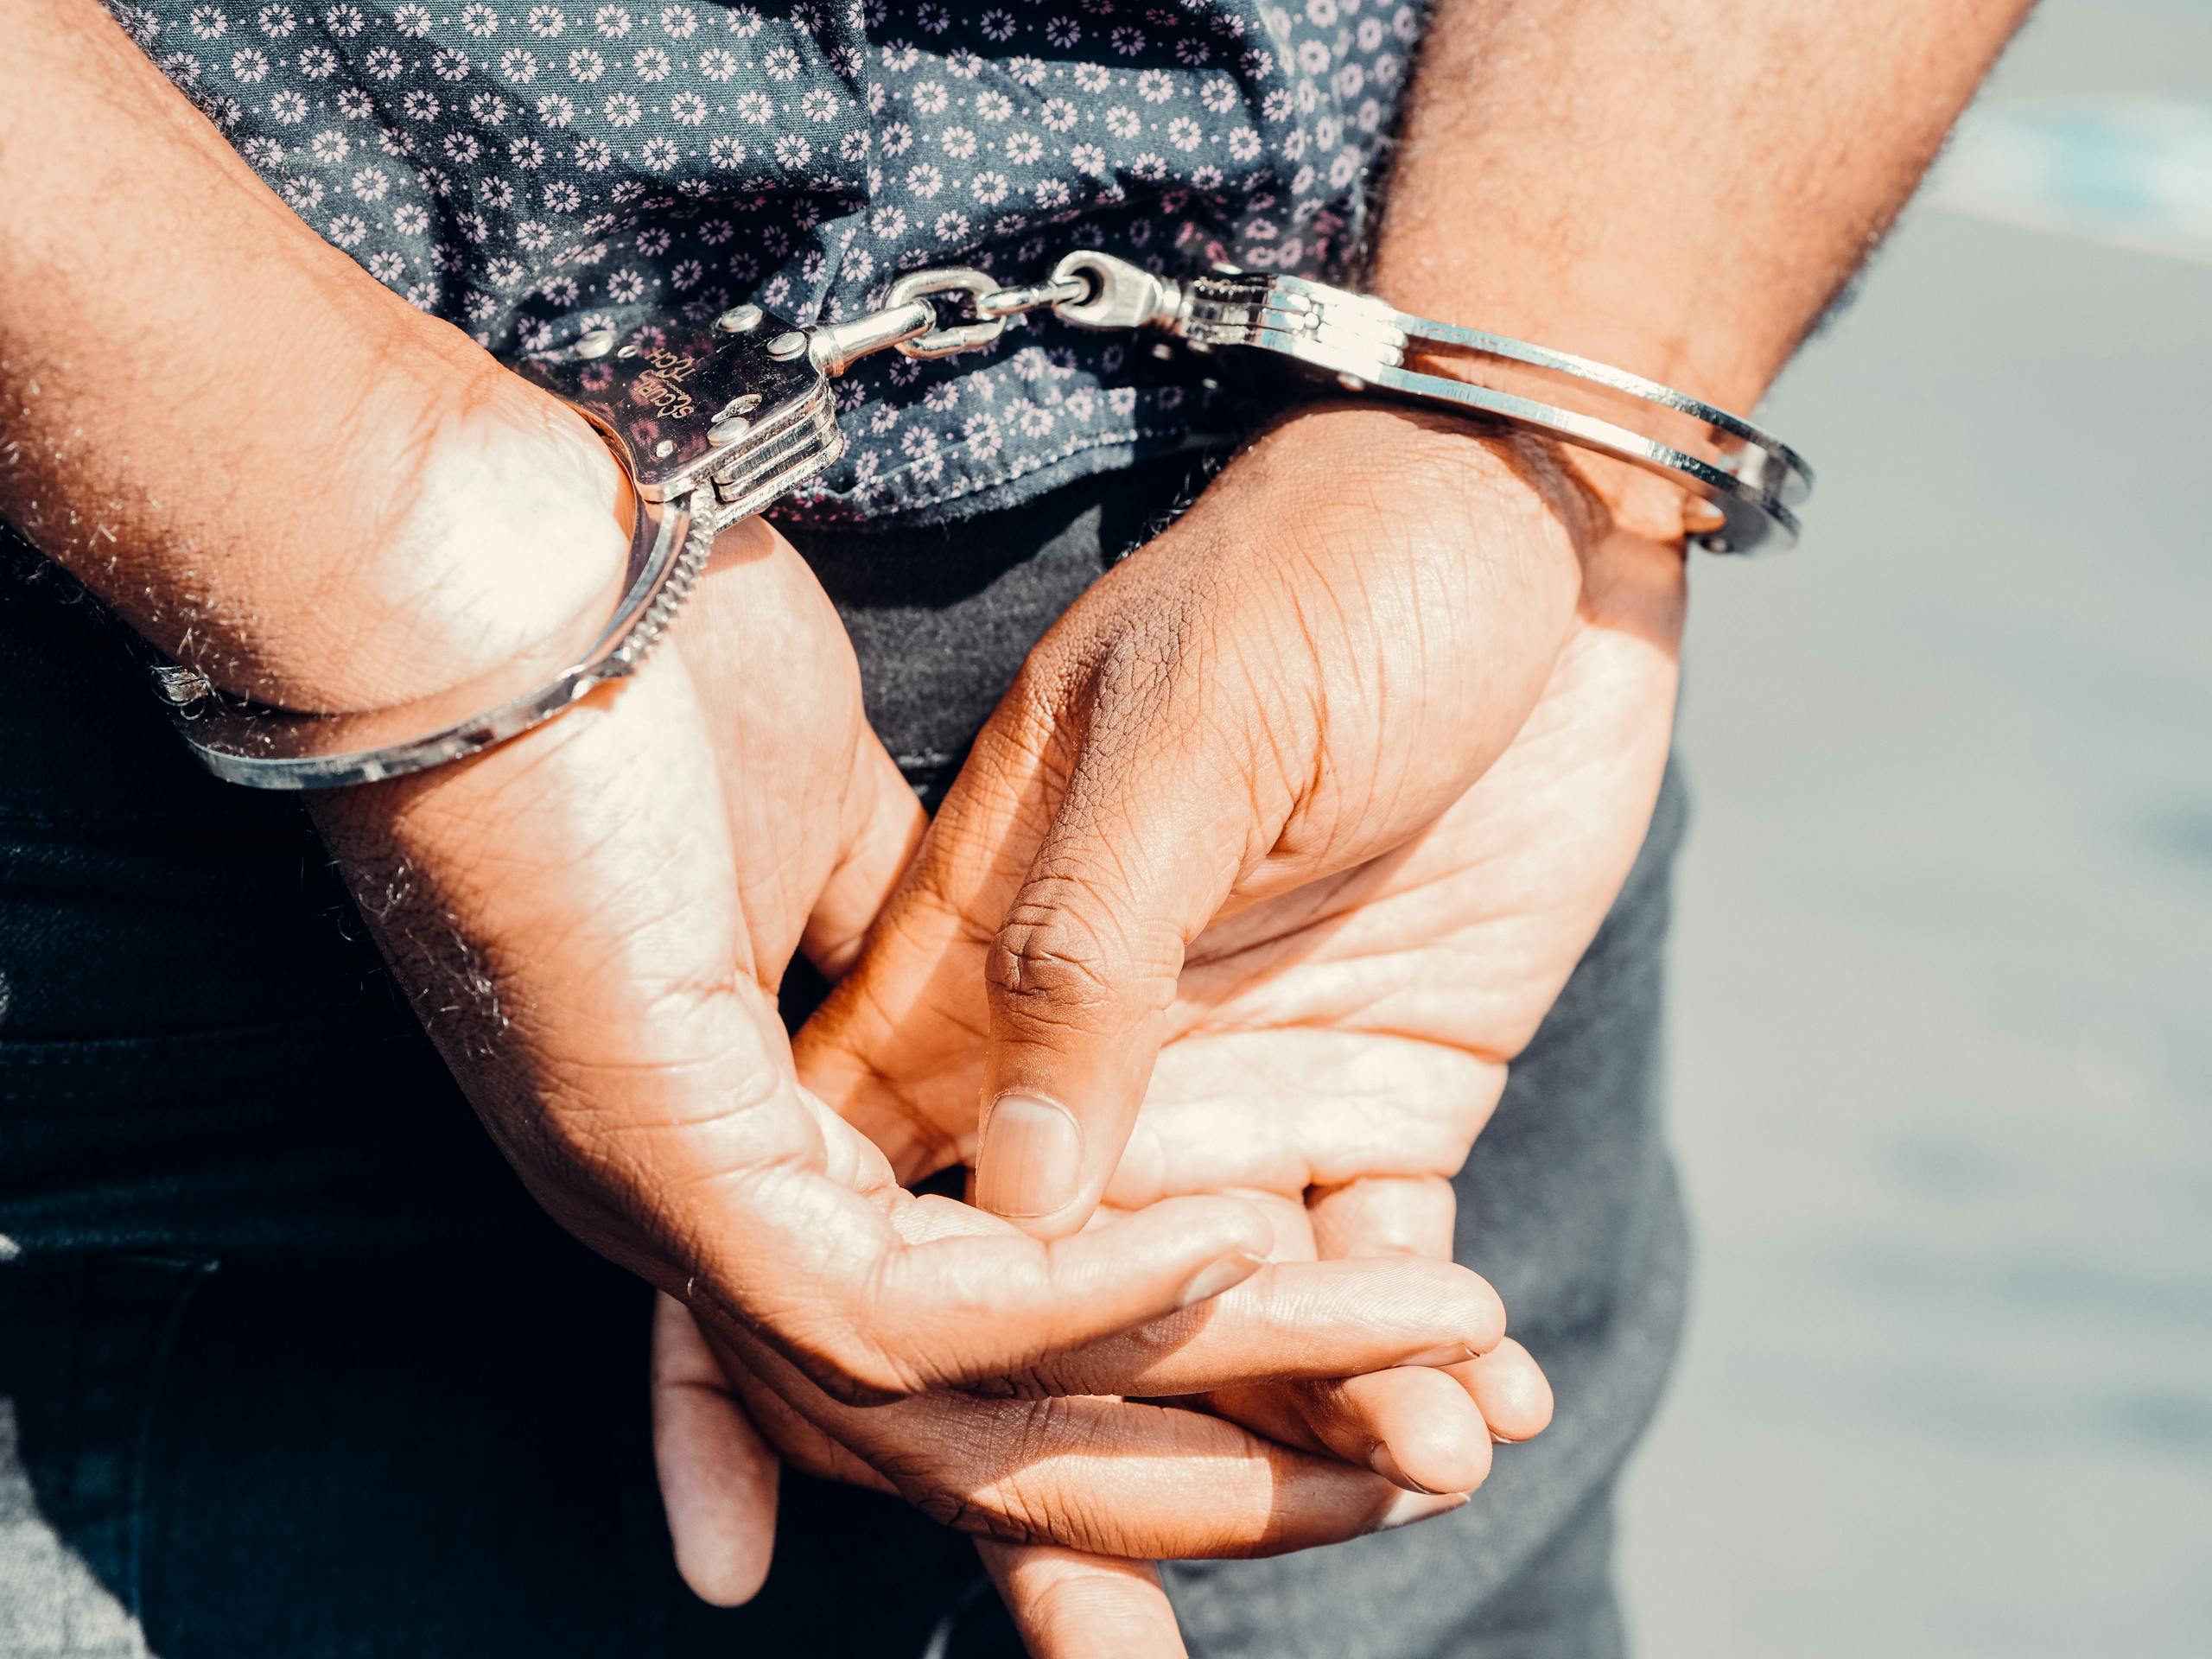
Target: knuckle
1059,956
1136,675
1044,957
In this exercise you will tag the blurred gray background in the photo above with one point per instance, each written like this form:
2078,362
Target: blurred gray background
1941,1043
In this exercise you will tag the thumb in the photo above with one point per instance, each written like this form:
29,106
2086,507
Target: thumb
1082,973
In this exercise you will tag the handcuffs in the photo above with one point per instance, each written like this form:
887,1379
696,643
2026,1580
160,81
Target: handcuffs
715,425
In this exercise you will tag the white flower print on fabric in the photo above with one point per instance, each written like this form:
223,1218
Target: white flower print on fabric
533,169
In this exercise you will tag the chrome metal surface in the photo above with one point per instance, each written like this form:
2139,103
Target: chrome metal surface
674,383
179,685
1033,296
835,346
1122,295
739,320
960,337
1752,479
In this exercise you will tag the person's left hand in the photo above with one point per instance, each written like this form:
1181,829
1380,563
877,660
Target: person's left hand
1337,1045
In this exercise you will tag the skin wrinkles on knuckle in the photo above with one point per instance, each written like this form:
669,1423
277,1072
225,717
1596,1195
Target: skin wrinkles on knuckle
1051,966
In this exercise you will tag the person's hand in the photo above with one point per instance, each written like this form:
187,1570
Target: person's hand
723,1420
1304,671
1341,1043
1332,1053
1265,727
1062,1453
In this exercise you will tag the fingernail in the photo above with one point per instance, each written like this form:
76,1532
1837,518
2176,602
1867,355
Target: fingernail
1409,1507
1384,1464
1031,1161
1452,1353
1226,1273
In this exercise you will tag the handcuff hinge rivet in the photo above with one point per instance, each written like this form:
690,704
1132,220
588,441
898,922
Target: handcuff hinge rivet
785,346
598,343
740,320
730,430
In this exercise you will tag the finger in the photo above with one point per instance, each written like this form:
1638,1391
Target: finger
1379,1216
1290,1320
1070,1605
1511,1389
1110,1477
795,1439
1424,1430
1143,847
717,1476
873,1317
887,825
896,1049
1288,1109
780,696
1371,1217
1417,1427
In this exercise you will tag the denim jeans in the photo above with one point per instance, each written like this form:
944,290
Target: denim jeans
289,1364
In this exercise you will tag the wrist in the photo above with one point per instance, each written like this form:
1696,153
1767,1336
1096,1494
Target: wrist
1448,472
1553,520
499,549
469,526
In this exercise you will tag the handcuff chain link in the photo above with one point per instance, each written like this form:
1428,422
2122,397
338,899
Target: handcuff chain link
894,324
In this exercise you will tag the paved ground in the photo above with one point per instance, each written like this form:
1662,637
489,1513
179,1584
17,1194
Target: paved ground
1942,1042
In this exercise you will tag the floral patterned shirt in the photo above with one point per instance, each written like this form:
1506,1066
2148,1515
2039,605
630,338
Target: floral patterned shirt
534,171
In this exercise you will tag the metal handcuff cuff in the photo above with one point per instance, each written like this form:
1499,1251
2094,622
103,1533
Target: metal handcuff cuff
713,428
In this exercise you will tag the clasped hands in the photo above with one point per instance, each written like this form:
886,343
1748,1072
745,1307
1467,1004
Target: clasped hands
1211,965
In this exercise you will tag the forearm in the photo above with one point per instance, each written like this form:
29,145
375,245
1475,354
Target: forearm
270,465
1678,186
